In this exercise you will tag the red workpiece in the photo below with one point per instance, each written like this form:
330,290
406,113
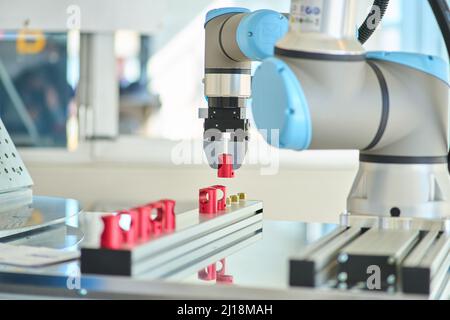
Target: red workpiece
225,169
111,237
142,225
209,202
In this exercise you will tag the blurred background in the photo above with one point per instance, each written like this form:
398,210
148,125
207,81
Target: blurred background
98,94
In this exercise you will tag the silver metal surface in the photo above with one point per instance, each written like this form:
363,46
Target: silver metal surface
332,31
183,254
15,286
421,250
228,85
390,243
60,236
329,252
429,266
323,256
41,213
197,239
209,253
380,187
259,271
400,223
257,264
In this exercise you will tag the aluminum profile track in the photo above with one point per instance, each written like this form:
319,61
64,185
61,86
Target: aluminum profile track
197,242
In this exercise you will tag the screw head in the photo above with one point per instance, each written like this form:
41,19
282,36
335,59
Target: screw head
82,292
343,276
391,279
342,286
343,258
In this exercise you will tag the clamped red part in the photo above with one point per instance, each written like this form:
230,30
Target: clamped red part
225,166
208,202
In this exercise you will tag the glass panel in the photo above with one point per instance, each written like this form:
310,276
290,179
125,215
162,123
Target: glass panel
38,75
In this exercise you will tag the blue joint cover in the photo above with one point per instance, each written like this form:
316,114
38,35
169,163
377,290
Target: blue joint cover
258,33
431,65
222,11
279,103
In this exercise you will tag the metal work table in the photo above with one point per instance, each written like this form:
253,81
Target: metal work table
259,271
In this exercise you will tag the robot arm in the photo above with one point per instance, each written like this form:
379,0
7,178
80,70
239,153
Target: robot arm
322,90
234,38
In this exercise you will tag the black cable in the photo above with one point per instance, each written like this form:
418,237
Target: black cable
441,11
372,21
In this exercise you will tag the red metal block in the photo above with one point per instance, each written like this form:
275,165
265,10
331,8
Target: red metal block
112,236
222,277
208,274
208,200
169,218
144,223
222,202
225,279
225,166
130,237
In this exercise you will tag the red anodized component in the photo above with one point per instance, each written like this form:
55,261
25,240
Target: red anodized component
130,236
209,202
222,202
225,166
208,274
169,218
156,222
221,276
142,226
111,237
144,223
211,273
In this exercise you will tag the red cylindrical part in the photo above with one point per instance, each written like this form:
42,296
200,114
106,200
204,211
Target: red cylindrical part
144,223
222,202
208,201
157,222
112,236
130,236
169,218
225,166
